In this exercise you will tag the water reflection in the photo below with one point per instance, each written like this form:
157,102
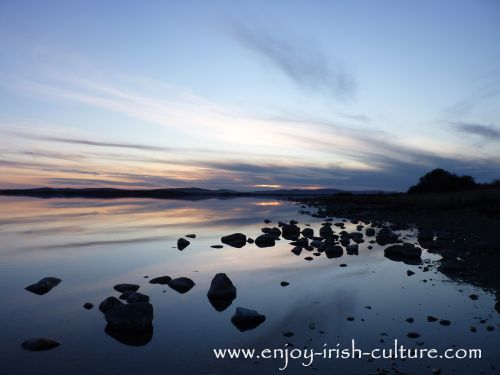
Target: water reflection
94,244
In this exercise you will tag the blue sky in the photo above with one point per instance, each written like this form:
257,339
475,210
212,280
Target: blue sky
225,94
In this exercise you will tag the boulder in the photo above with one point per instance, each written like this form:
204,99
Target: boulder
109,303
265,240
182,243
44,285
191,235
333,251
181,284
122,288
352,249
403,252
290,231
386,236
370,232
162,280
246,319
131,317
136,297
39,344
308,232
222,292
326,231
273,231
235,240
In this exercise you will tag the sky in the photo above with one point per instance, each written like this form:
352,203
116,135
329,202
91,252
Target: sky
247,95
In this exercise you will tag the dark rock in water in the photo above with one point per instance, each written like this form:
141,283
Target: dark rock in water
343,265
326,231
444,322
402,252
473,297
284,283
181,284
88,305
431,318
130,338
308,232
162,280
222,292
136,297
370,232
410,320
274,231
109,303
293,222
451,267
122,288
44,285
333,251
490,328
288,334
217,246
413,335
250,240
410,273
425,235
352,249
246,319
125,295
386,236
297,250
267,221
191,235
309,258
182,243
235,240
302,242
134,317
265,240
316,243
316,254
290,231
39,344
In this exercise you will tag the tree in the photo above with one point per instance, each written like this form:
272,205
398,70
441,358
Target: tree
440,180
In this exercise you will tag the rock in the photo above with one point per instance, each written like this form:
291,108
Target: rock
444,322
125,295
431,318
297,250
293,222
290,231
44,285
250,240
350,318
39,344
191,235
235,240
131,317
425,235
182,243
333,251
370,232
386,236
352,249
181,284
273,231
88,305
109,303
308,232
284,283
413,335
131,338
451,267
326,231
288,334
473,297
222,292
122,288
267,221
136,297
403,252
217,246
410,320
162,280
246,319
343,265
265,240
309,258
410,273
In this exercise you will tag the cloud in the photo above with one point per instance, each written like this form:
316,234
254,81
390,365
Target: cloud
489,132
306,67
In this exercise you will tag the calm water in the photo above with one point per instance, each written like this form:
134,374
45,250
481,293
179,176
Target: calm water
94,244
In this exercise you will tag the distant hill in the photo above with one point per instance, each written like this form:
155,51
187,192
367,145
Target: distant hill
179,193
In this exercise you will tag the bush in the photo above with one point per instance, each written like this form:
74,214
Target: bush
440,180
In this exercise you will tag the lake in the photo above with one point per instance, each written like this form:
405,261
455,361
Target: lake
93,245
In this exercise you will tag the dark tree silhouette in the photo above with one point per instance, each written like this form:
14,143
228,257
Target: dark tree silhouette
440,180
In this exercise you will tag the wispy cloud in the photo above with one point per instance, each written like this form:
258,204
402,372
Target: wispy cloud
307,67
488,132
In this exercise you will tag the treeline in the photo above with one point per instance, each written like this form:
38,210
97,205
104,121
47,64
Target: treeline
439,180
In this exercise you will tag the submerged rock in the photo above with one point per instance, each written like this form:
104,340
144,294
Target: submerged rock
122,288
265,240
182,243
44,285
162,280
246,319
235,240
222,292
39,344
130,318
109,303
181,284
